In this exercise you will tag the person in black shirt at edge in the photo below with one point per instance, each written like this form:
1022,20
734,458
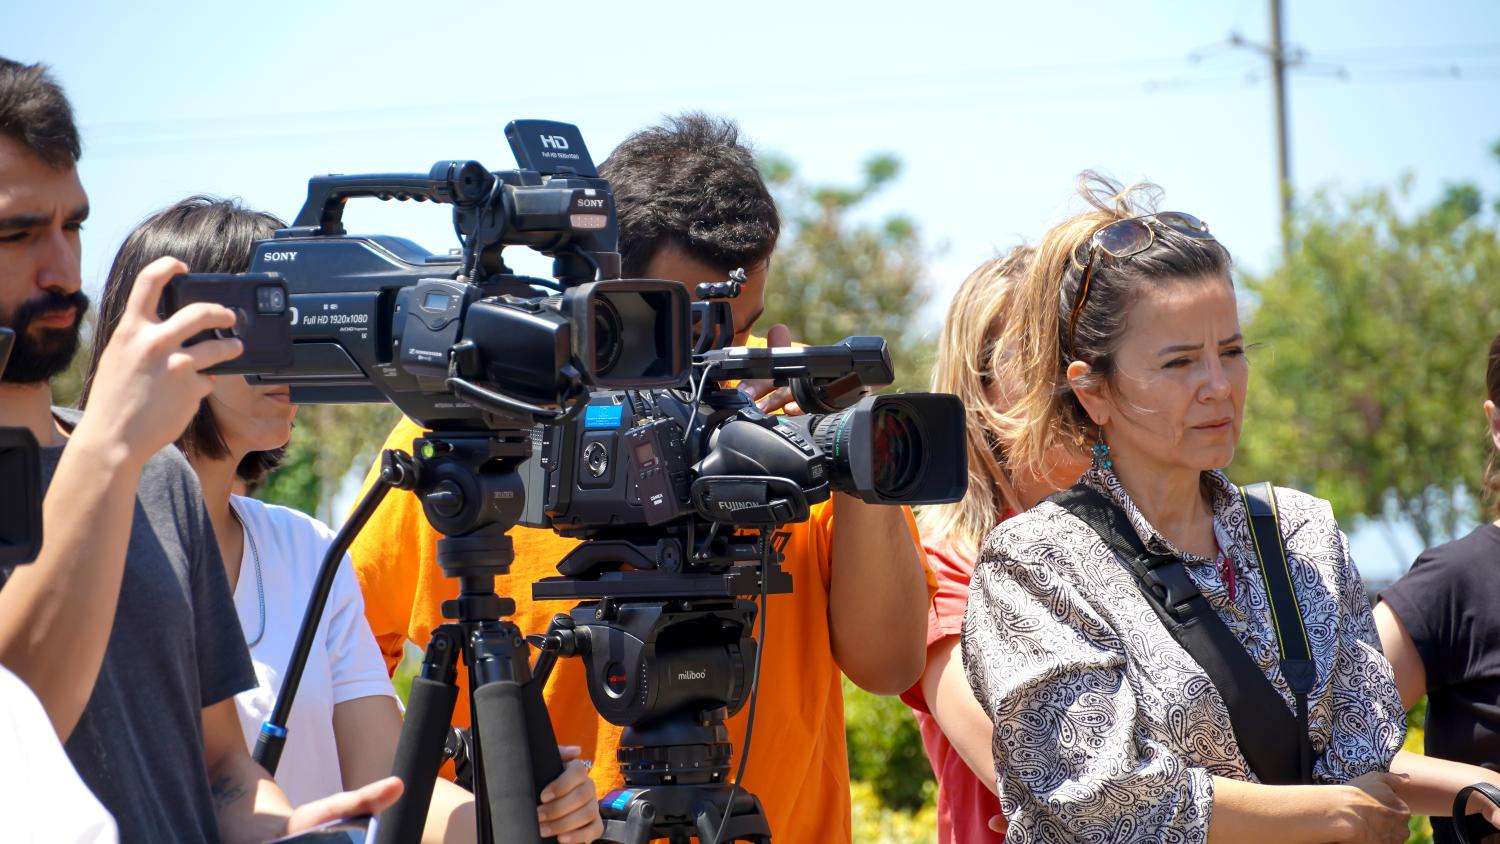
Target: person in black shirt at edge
1439,626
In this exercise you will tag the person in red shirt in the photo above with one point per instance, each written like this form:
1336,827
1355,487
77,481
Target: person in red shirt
956,732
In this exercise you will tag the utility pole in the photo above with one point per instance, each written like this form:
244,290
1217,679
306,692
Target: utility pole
1280,60
1283,155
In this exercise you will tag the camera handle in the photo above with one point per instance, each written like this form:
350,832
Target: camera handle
449,182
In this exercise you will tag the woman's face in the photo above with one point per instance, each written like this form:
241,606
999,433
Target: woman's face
251,417
1177,398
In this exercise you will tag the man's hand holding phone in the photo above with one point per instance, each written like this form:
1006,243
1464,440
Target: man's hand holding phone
148,384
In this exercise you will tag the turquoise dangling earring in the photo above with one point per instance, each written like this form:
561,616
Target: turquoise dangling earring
1101,454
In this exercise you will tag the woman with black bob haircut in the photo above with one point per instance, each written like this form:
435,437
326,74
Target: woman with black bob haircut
1127,338
345,724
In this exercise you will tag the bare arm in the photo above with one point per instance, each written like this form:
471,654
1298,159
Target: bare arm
1399,649
958,714
248,804
1366,810
1433,783
64,603
250,807
145,391
877,601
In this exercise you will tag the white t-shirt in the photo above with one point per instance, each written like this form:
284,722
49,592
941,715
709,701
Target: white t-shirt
41,796
344,664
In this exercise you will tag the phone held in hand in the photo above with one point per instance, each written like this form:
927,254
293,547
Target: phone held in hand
263,317
357,830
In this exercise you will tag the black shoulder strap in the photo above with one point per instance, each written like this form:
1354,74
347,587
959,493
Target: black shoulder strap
1263,727
1291,633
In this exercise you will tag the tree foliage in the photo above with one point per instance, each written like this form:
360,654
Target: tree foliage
1369,374
885,749
835,274
328,442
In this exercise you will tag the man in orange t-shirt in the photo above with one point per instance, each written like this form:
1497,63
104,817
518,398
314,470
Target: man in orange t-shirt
692,207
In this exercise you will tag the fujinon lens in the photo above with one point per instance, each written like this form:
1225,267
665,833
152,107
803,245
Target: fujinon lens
906,448
896,450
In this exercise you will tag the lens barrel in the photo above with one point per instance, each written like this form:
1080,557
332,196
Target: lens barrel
907,448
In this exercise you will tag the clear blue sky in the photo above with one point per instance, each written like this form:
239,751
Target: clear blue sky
994,107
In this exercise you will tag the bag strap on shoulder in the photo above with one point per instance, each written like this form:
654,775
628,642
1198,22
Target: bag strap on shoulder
1265,730
1291,633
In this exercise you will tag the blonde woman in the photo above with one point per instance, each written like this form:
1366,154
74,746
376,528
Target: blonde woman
955,730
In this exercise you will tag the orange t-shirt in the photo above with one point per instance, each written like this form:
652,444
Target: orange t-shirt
799,765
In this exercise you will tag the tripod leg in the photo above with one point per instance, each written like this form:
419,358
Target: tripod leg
419,753
517,746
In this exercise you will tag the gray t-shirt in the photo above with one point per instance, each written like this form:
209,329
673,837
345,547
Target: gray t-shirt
176,647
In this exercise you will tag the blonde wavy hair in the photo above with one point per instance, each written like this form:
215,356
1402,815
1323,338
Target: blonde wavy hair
1045,413
969,356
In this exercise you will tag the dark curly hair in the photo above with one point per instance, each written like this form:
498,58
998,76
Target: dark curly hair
210,235
35,113
691,183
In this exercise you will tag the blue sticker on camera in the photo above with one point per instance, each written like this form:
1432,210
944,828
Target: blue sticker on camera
603,415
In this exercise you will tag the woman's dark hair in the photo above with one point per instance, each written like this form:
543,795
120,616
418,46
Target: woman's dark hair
210,235
1492,471
1048,413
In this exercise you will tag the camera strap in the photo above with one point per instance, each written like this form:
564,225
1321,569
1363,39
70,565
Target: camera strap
1273,741
1291,634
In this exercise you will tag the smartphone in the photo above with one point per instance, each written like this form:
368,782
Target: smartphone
359,830
262,316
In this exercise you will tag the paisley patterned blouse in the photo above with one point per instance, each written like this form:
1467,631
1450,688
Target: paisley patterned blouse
1105,729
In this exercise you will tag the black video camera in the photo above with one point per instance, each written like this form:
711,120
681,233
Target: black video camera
640,468
667,486
458,342
20,487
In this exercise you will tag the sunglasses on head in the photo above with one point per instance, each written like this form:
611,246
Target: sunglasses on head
1124,238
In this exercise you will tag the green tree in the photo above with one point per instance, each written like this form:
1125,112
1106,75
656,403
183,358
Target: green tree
327,443
885,749
835,275
1369,370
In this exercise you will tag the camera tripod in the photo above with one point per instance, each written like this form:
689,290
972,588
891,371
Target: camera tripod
675,750
472,495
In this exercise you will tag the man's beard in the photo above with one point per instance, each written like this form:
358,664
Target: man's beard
39,354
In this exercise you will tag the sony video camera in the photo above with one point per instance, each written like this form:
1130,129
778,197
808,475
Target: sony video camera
457,341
